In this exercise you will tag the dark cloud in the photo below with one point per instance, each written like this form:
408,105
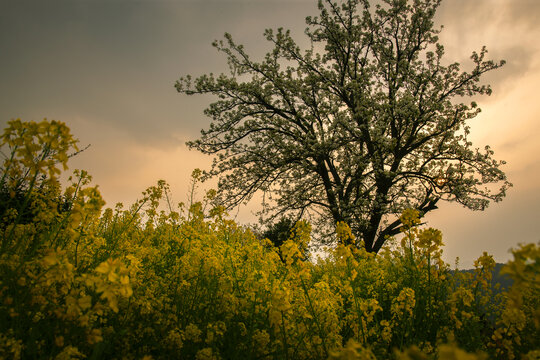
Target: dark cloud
116,61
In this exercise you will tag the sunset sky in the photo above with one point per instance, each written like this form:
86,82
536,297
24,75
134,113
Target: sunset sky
107,68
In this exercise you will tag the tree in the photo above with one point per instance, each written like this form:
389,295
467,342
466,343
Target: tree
365,123
285,229
279,232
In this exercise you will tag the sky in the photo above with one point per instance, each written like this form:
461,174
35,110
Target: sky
107,69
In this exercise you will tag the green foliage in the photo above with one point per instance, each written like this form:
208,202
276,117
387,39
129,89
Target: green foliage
371,125
146,283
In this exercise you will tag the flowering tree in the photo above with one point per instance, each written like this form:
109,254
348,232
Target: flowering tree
365,123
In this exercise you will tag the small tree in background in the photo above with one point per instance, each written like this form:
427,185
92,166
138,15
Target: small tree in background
364,124
279,232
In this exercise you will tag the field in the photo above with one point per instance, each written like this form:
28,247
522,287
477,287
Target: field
160,281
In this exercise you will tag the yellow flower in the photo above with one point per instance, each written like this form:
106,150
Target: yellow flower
404,303
174,339
51,258
192,333
94,336
344,233
261,339
59,341
410,218
124,280
386,333
70,353
109,268
206,354
430,239
85,302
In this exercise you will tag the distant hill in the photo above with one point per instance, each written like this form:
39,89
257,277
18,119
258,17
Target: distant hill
497,278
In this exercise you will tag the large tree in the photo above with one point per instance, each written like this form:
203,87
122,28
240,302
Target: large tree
366,122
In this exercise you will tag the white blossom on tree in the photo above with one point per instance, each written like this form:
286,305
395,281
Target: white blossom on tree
370,124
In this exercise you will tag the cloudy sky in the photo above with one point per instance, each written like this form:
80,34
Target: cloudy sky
107,68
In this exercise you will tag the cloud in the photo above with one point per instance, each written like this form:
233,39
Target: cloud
497,24
522,12
123,168
116,62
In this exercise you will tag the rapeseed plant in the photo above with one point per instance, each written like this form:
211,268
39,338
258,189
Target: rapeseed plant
155,281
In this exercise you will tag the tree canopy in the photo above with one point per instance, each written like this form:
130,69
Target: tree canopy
365,123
